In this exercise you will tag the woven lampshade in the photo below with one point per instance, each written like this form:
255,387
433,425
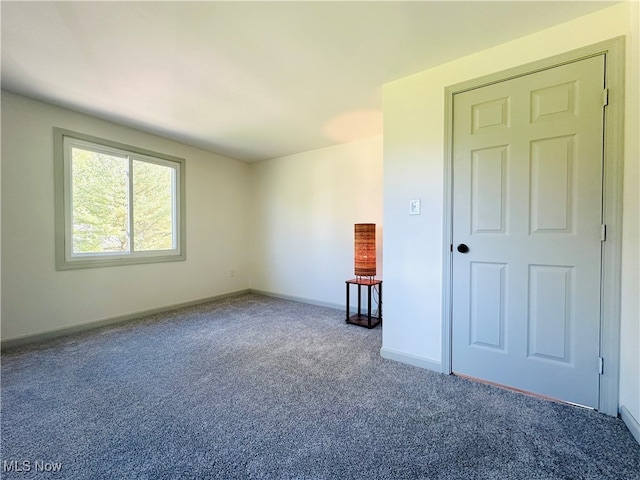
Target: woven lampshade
365,250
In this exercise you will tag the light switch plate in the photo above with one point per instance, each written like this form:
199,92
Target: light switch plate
414,207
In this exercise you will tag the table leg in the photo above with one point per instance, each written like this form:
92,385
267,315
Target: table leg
369,304
347,284
380,301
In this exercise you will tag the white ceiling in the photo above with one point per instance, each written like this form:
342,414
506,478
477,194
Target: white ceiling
251,80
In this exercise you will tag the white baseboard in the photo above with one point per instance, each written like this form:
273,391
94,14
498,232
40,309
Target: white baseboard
410,359
631,422
62,332
15,342
309,301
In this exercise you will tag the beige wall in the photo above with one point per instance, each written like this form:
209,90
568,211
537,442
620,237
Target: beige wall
305,206
414,168
284,226
36,298
630,294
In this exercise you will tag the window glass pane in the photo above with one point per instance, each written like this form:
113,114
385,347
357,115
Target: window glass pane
100,199
153,207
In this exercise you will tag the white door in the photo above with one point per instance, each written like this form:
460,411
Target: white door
527,203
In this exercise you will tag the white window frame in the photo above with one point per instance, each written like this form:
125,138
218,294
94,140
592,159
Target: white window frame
64,141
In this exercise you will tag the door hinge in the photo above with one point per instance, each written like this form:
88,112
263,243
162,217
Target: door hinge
603,233
605,97
600,365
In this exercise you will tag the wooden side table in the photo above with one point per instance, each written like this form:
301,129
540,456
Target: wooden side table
367,320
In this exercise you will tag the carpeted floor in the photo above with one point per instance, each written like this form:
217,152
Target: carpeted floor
257,387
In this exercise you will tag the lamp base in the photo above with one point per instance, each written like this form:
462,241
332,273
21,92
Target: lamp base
365,278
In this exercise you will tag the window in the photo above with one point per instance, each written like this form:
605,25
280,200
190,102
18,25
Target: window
116,204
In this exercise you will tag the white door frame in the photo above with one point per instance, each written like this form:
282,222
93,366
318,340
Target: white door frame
612,206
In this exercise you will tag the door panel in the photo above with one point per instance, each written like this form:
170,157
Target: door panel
527,199
550,297
488,184
552,184
487,305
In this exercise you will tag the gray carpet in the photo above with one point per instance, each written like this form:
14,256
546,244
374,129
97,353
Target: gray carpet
257,387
